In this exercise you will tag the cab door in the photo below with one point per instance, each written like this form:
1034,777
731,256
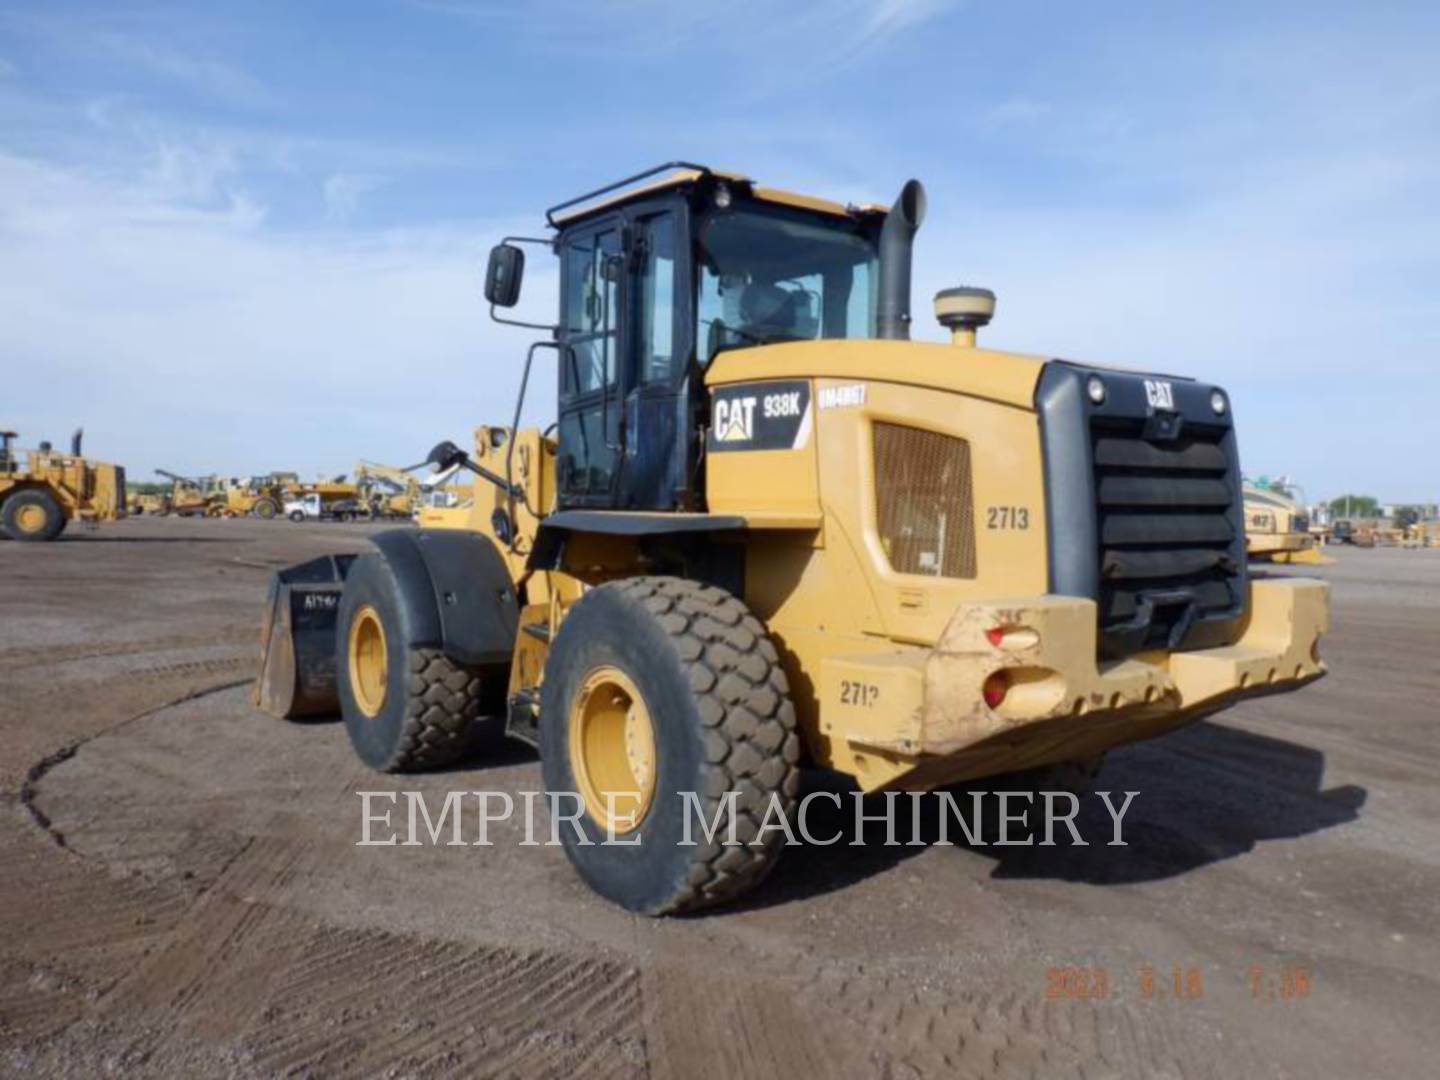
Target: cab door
657,417
592,298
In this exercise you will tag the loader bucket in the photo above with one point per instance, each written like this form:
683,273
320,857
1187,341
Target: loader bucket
297,642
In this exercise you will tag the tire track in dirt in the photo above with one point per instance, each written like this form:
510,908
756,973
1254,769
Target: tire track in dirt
65,684
71,931
49,656
37,772
290,994
945,1028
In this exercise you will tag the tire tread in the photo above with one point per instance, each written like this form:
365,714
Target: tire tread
751,743
440,712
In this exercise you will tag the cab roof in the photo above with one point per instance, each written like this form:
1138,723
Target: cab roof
674,174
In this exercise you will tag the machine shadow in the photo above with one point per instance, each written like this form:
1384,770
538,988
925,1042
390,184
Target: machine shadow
1205,794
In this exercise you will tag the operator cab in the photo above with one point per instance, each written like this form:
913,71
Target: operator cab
7,452
661,272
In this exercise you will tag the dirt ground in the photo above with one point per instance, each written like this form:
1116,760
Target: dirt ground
182,893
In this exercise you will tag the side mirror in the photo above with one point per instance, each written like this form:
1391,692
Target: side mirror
504,274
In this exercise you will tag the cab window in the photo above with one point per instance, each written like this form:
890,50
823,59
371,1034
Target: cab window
770,276
592,317
656,336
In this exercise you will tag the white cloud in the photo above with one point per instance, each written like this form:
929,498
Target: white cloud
343,192
888,16
142,42
215,78
1012,112
190,339
787,42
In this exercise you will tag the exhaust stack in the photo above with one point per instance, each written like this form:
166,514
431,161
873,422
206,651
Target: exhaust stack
897,241
963,311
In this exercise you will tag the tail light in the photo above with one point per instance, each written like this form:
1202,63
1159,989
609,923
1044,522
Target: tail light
995,689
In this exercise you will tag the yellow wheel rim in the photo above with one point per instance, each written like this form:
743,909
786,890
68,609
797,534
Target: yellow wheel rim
368,665
612,750
30,519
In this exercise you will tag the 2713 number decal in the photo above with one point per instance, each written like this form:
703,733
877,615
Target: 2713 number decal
858,693
1007,517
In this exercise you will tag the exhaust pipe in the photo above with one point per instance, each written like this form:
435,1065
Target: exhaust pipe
897,241
75,441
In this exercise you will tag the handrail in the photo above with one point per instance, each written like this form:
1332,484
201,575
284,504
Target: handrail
510,486
669,166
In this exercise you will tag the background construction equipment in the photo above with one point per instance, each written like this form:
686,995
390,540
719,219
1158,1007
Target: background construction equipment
41,494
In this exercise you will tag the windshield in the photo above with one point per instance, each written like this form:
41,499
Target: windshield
769,276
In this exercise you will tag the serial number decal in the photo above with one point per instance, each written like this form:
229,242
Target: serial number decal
842,397
1007,517
863,694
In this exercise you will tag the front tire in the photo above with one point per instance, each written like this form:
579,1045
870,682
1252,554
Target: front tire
406,708
265,508
657,686
32,516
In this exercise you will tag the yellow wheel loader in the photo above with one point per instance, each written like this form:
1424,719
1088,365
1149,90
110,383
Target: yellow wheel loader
252,496
193,496
39,497
771,531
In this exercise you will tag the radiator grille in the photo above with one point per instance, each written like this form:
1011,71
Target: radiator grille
1167,530
924,502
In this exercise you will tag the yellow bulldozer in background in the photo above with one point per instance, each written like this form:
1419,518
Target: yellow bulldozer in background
1277,527
49,489
155,503
769,531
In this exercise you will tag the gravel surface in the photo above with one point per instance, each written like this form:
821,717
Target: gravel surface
183,893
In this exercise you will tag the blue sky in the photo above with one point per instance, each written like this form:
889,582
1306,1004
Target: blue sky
246,236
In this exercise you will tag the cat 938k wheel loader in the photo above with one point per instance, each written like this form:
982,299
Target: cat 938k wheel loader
769,530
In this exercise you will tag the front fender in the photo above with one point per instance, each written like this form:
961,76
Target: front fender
457,591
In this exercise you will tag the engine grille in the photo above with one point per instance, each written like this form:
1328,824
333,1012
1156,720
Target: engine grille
1166,529
924,501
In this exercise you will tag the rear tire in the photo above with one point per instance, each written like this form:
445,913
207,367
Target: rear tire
718,712
32,516
406,708
265,508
